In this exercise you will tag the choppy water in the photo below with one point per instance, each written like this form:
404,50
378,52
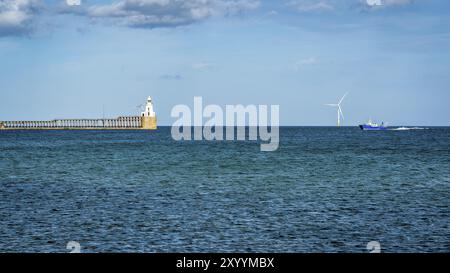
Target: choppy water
325,189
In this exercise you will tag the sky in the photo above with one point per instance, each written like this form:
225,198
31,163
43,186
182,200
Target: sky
95,58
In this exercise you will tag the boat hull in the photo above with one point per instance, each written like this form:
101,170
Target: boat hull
365,127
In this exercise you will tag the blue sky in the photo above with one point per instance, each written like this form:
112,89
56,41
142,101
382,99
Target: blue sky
63,61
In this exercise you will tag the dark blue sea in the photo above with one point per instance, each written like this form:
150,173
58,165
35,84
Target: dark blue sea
323,190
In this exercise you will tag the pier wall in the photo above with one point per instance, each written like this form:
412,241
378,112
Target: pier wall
123,123
149,123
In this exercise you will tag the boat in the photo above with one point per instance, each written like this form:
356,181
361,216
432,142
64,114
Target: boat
372,126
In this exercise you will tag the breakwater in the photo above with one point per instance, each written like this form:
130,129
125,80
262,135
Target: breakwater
145,121
122,123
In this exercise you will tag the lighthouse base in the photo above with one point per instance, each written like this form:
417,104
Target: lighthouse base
149,123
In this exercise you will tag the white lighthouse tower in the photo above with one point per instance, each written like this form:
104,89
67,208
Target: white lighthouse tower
149,112
148,117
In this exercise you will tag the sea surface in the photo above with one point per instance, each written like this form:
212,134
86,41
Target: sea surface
324,190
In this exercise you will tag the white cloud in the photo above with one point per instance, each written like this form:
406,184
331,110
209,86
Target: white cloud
373,2
311,5
305,62
395,2
202,66
73,2
166,13
16,16
329,5
386,3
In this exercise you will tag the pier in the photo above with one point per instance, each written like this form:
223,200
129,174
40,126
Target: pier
147,121
119,123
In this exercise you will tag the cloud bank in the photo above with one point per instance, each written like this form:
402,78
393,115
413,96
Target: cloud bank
165,13
16,16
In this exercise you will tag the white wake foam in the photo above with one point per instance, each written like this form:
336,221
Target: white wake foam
408,128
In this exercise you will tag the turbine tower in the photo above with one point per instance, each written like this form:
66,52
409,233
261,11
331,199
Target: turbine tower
339,110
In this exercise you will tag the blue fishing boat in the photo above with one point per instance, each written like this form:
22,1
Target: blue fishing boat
372,126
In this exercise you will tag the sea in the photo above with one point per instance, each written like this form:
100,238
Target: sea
325,189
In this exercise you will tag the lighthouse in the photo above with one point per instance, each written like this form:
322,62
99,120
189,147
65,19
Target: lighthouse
149,109
149,116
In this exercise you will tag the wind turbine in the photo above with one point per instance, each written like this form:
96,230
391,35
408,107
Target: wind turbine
339,110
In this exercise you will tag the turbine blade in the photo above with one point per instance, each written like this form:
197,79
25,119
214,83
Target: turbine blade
343,97
331,104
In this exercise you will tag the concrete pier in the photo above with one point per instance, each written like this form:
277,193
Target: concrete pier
132,123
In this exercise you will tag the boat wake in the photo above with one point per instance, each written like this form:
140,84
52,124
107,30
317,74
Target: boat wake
408,128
